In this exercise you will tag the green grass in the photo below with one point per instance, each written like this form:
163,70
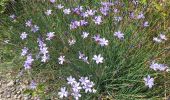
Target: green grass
126,62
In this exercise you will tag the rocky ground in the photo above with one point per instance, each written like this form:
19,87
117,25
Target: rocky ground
12,89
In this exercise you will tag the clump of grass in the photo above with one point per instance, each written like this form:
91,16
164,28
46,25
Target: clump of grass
125,56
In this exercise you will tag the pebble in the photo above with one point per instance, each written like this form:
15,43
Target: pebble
11,83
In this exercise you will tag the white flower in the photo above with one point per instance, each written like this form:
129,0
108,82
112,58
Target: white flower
119,34
23,35
12,16
98,58
60,6
48,12
71,80
66,11
61,59
163,37
84,35
157,40
118,18
63,92
149,81
103,42
71,41
50,35
6,41
94,90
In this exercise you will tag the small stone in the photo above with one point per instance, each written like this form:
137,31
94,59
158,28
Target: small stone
19,97
13,89
8,96
15,96
11,83
18,92
1,92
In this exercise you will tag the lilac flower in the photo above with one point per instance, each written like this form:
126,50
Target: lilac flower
107,4
35,28
33,85
71,41
52,1
116,10
83,22
76,95
61,59
104,10
23,35
163,37
50,35
103,42
43,50
149,81
140,16
24,51
71,80
48,12
73,25
84,14
145,24
91,12
83,57
28,23
63,92
60,6
97,20
98,58
78,10
132,15
84,80
96,38
76,87
84,35
28,62
88,87
119,34
67,11
156,66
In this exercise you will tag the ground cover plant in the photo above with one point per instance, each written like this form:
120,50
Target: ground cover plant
89,49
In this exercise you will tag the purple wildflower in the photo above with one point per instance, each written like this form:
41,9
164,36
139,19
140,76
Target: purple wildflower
24,51
97,20
149,81
28,62
35,28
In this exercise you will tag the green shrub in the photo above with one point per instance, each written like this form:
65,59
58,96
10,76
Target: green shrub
126,60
